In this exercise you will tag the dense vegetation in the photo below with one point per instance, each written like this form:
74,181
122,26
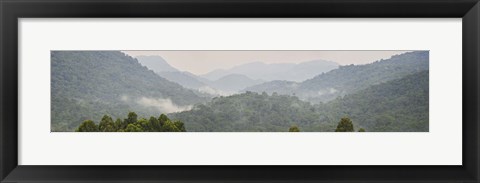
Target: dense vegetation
349,79
132,124
345,125
294,128
397,105
88,84
387,95
248,112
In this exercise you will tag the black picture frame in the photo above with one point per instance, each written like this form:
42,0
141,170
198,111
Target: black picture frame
11,10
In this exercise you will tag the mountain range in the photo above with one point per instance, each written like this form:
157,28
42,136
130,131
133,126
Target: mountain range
234,80
396,105
348,79
227,84
156,63
280,71
386,95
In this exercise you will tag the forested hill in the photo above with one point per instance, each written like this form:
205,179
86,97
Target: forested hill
349,79
397,105
90,84
248,112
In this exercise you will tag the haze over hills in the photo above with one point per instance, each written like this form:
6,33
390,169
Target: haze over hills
227,84
185,79
280,71
385,95
234,83
348,79
165,70
156,64
396,105
90,84
400,105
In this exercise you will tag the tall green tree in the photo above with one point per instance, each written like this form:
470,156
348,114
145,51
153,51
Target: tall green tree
180,126
119,124
345,125
131,118
155,124
87,126
107,124
294,128
169,126
162,119
144,124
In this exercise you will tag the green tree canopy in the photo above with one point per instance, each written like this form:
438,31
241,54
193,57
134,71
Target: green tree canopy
132,124
87,126
119,124
133,128
162,119
107,124
180,126
169,126
145,124
294,128
155,124
345,125
132,118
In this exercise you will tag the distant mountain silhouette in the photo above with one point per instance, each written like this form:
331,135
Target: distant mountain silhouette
229,83
185,79
280,71
156,64
234,83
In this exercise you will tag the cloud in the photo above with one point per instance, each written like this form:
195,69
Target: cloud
327,91
332,90
125,98
163,105
213,91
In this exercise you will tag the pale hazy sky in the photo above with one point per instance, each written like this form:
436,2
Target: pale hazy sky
201,62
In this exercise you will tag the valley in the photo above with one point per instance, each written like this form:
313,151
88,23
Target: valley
386,95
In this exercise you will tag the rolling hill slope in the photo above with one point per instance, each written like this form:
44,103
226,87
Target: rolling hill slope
89,84
349,79
396,105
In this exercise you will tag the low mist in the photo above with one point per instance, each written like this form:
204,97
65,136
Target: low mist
164,105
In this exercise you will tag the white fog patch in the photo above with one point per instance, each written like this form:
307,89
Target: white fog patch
124,98
213,91
163,105
327,91
320,92
293,85
332,90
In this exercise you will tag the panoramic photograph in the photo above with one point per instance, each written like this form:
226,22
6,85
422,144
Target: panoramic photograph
240,91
